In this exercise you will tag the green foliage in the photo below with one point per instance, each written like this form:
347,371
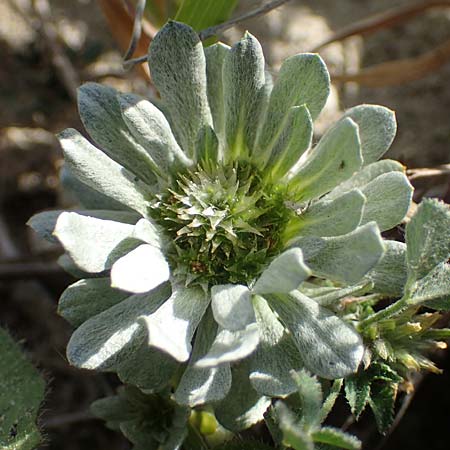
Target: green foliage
21,393
303,429
201,14
376,386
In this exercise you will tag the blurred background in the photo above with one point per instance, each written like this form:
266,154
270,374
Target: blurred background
391,52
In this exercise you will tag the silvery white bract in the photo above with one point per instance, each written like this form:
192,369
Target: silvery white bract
206,212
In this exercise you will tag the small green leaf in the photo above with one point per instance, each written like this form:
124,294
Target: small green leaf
101,116
178,69
131,272
231,306
243,93
427,238
377,129
21,393
335,159
331,398
293,434
357,392
87,298
201,14
328,346
382,401
344,258
243,406
208,147
388,199
329,218
284,274
96,170
311,397
389,275
336,438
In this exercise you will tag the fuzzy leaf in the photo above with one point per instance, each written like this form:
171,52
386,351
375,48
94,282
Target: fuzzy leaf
303,80
284,274
335,159
243,406
427,238
98,343
101,116
377,129
330,218
87,298
388,199
21,393
151,129
231,306
336,438
178,69
243,93
328,346
433,286
336,294
231,346
275,356
172,326
215,57
198,386
311,397
344,258
44,223
293,434
365,176
389,275
86,196
140,270
77,233
293,140
93,168
331,398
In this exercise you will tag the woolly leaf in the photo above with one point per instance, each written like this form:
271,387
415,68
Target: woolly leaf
388,199
433,286
243,406
344,258
284,274
427,238
311,397
96,170
275,356
178,69
329,347
243,92
101,116
336,438
377,129
336,158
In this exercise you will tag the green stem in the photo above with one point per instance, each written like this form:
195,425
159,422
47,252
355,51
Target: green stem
385,313
194,440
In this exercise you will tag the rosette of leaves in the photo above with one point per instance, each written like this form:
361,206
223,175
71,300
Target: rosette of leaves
205,211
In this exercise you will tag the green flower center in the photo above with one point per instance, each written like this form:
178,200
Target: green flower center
225,226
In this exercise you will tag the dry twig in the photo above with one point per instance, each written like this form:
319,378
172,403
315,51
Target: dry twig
382,20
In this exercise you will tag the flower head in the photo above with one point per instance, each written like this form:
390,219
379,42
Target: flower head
207,210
